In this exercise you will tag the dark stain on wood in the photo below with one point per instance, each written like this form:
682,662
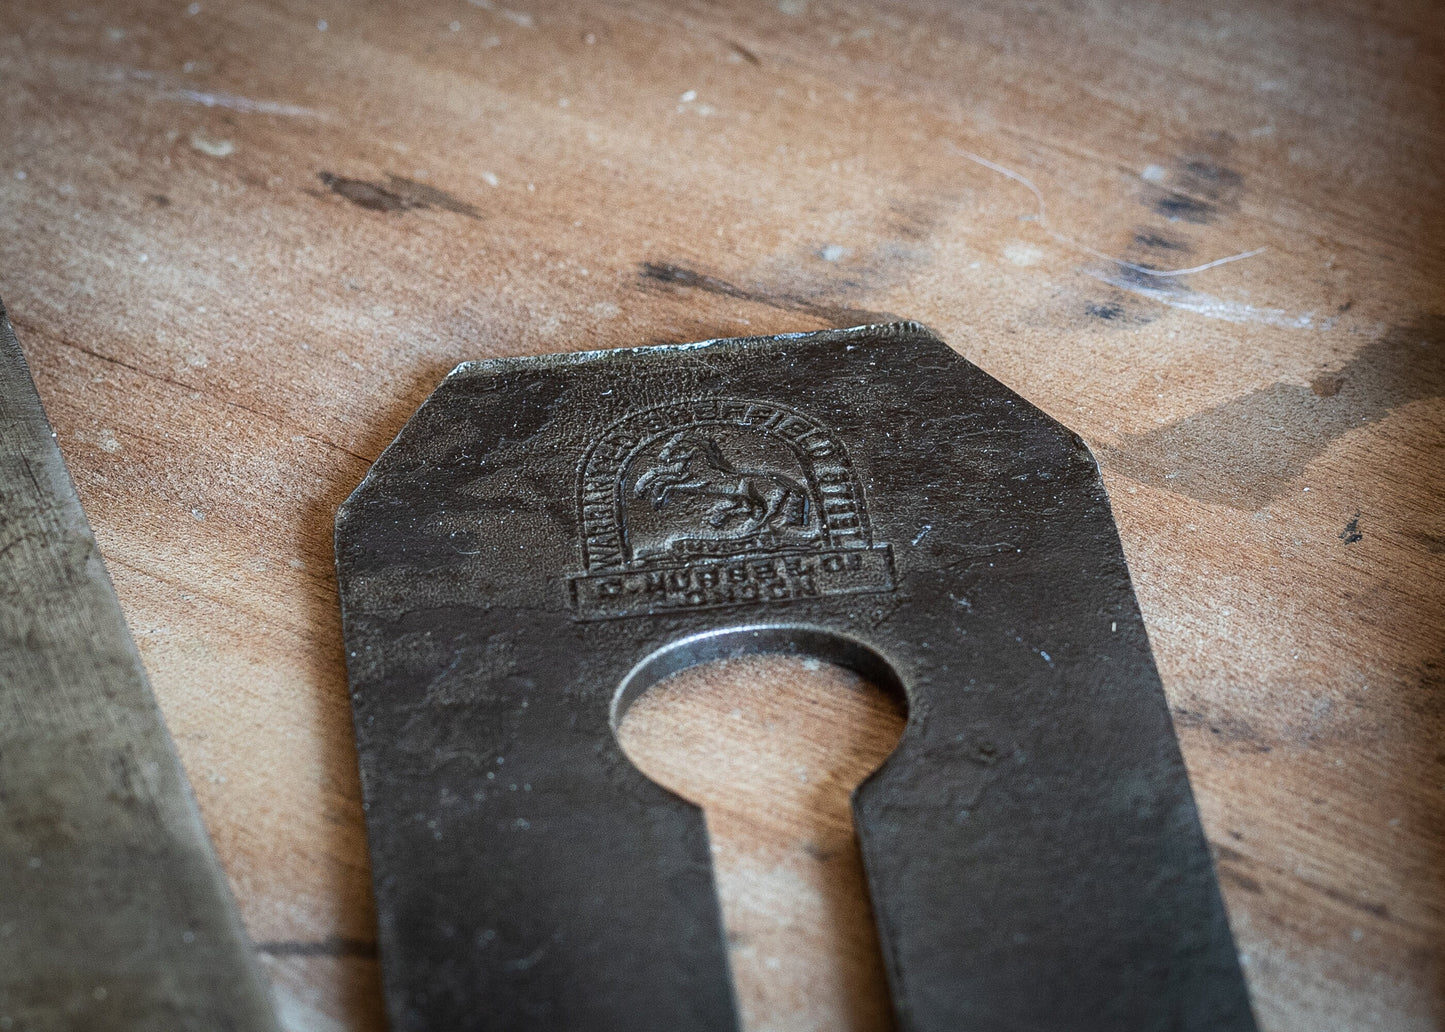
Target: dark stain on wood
1196,188
1434,543
1229,862
1373,909
666,274
1150,240
746,54
1175,205
1227,728
397,195
1210,179
1239,879
1108,311
1199,185
912,219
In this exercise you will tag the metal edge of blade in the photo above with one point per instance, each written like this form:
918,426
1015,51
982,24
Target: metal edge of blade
115,914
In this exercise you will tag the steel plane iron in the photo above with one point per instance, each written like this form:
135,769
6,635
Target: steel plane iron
549,536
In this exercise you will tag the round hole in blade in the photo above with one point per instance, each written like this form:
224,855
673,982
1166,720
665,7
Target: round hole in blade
753,726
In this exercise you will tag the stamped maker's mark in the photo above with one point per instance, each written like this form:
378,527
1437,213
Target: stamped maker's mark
720,502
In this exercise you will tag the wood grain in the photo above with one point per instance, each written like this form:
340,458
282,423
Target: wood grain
241,241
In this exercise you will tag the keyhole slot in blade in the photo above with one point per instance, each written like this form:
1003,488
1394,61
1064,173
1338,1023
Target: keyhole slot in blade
770,742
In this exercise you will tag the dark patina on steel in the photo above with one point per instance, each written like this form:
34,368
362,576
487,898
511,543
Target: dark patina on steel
114,914
549,536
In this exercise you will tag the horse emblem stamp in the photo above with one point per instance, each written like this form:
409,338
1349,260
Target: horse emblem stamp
720,502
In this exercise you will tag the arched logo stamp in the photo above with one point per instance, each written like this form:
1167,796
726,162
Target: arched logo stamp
720,502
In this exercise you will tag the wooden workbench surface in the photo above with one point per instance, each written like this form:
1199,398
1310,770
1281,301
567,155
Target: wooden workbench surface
240,242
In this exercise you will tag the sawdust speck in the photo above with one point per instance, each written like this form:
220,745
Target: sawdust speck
1020,253
215,148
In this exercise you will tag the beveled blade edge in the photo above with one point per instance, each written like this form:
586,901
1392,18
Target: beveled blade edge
115,914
